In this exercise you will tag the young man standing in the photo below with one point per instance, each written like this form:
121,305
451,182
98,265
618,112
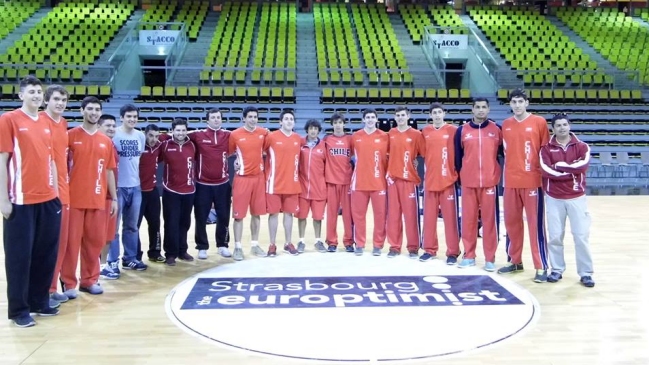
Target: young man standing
29,205
406,144
178,154
523,136
56,100
107,126
248,187
150,208
338,175
440,188
282,180
370,148
314,189
92,161
478,144
212,184
129,143
564,163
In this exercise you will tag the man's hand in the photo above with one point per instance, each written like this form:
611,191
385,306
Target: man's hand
113,208
6,208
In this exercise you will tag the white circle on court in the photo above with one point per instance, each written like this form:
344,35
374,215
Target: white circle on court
340,307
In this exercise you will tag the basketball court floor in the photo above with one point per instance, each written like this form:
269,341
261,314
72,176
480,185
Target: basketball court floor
208,311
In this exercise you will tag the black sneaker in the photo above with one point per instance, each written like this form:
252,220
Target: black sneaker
47,312
186,257
332,248
511,268
541,276
451,260
587,281
349,249
554,277
24,321
134,265
426,257
157,259
393,253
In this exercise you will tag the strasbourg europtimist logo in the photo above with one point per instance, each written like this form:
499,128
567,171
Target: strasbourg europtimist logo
346,292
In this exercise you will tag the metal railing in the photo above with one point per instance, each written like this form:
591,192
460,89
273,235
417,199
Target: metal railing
578,79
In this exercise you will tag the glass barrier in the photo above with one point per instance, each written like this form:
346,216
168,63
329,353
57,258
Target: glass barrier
577,79
61,74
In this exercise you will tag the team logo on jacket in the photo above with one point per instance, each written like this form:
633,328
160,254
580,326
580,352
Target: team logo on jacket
317,292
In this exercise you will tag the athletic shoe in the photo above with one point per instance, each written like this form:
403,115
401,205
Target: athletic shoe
451,260
49,312
170,261
157,259
186,257
114,266
70,293
426,257
94,289
554,277
413,255
541,276
587,281
257,251
301,247
332,248
359,251
511,268
392,254
202,254
223,251
24,321
320,247
54,303
489,266
238,254
133,265
349,249
108,274
376,251
272,251
290,248
466,263
61,298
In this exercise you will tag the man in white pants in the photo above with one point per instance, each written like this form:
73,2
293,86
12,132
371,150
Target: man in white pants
564,162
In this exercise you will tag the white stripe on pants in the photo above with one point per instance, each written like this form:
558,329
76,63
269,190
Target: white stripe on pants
577,212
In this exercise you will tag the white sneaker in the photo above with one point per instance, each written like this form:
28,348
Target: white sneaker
225,252
202,254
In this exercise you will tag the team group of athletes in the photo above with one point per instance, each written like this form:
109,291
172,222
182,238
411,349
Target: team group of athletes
63,191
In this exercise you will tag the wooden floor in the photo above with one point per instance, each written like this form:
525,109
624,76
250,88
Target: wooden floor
608,324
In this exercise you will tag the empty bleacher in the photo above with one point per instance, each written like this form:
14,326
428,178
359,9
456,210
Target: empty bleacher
529,42
616,36
276,44
13,14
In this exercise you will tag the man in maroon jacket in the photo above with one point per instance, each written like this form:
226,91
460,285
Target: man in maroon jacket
178,154
564,162
212,184
150,207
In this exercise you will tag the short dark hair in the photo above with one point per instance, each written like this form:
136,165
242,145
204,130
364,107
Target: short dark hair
128,108
559,116
434,106
105,117
213,111
90,100
312,123
53,89
335,117
29,80
518,93
177,122
401,108
151,127
286,111
249,109
369,111
480,99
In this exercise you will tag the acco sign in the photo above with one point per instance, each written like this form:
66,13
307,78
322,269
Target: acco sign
158,37
452,41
